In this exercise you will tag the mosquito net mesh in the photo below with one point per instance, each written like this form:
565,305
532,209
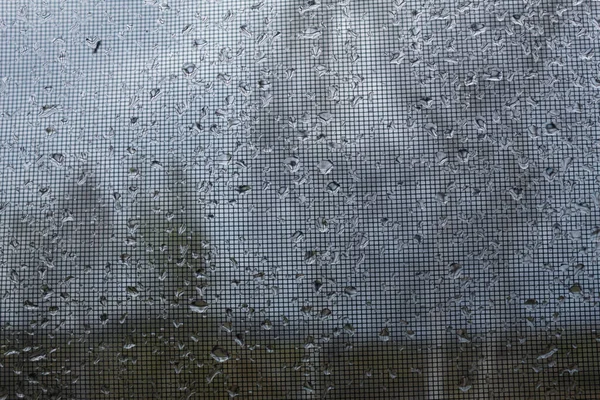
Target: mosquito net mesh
324,199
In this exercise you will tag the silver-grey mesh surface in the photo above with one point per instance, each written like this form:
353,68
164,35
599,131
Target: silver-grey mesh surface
318,199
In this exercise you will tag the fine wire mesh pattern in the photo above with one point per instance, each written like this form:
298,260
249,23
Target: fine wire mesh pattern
323,199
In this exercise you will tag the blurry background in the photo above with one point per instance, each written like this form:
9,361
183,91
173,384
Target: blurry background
299,199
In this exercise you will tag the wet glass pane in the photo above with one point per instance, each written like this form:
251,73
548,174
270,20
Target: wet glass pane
323,199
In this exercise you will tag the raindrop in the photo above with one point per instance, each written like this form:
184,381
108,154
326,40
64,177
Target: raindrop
325,166
477,28
57,158
547,354
531,303
384,334
129,344
516,193
349,329
308,387
441,158
310,33
325,313
465,385
292,163
455,270
219,354
431,129
463,155
37,357
199,306
310,5
551,129
189,68
240,339
317,284
462,336
154,93
325,117
267,325
480,124
549,174
264,84
244,189
575,289
223,159
30,306
333,187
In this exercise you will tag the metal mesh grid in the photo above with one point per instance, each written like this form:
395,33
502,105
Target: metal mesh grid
289,199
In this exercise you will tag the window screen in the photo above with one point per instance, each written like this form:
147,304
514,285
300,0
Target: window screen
324,199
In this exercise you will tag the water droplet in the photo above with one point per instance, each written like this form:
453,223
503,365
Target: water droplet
575,289
244,189
297,236
477,28
441,158
154,93
292,163
384,334
308,387
129,344
134,173
311,5
240,339
333,187
199,306
189,68
549,174
30,306
463,155
219,354
325,166
480,124
547,354
48,110
551,129
349,329
310,33
516,193
57,158
493,75
226,327
465,385
223,159
431,129
396,58
325,313
462,336
325,117
37,357
267,325
455,270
